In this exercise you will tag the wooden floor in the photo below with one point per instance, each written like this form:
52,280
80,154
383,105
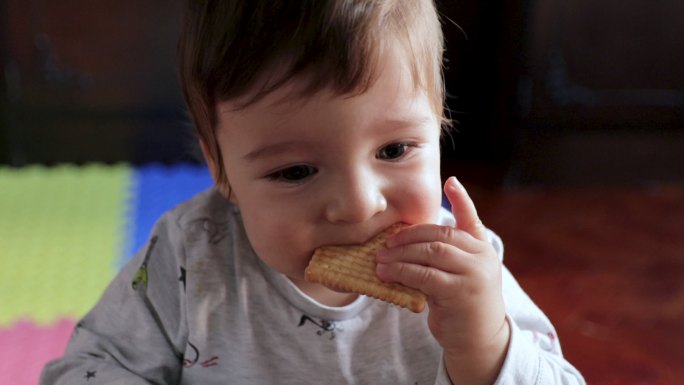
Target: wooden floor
607,266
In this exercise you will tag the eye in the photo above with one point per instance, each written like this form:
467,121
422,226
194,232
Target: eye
294,173
392,151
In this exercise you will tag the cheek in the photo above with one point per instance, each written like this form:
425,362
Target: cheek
420,197
422,206
275,241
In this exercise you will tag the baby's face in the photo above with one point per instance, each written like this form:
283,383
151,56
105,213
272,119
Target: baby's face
331,170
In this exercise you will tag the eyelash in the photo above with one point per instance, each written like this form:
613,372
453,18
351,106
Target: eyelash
281,175
309,171
406,147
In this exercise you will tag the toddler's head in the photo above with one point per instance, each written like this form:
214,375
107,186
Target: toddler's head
243,50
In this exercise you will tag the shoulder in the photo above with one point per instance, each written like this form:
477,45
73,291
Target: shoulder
206,204
207,214
201,225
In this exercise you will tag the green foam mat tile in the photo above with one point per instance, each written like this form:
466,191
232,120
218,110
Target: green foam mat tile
61,233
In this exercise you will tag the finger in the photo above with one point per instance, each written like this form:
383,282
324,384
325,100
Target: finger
439,255
434,233
427,279
464,210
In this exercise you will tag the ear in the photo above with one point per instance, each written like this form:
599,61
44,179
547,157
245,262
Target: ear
212,157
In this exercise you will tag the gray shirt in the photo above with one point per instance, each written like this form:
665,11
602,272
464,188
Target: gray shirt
197,306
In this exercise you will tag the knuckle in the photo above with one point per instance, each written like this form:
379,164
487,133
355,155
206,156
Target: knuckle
435,248
413,275
446,232
402,271
399,269
425,276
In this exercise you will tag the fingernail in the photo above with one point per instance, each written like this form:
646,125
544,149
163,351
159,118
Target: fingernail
452,183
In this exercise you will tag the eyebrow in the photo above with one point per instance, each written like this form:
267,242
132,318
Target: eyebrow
298,145
407,122
275,149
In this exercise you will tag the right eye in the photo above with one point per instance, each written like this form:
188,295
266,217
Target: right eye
393,151
293,174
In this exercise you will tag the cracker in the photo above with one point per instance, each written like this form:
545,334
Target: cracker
352,269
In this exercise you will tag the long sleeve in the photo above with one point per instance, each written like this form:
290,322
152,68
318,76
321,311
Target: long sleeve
534,355
134,335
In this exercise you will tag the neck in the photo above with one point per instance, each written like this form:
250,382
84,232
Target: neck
324,295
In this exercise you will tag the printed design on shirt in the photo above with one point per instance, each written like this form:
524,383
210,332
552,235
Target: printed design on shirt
77,329
140,277
90,374
325,327
182,276
139,284
546,341
216,231
208,363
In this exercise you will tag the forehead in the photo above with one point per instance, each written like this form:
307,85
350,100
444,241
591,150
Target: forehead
392,95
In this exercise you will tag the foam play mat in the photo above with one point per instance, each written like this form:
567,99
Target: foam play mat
64,233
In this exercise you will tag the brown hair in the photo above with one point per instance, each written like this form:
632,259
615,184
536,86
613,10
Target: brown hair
226,48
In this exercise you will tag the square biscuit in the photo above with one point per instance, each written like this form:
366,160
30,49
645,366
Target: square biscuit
352,269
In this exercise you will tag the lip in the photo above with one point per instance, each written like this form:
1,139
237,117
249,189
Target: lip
359,240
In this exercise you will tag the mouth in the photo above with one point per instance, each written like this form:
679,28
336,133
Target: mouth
356,239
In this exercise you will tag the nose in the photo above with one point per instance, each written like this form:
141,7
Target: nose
355,198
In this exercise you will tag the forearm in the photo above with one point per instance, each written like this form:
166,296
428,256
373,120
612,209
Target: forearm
105,356
76,370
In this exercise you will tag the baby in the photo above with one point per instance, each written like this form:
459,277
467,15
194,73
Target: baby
320,122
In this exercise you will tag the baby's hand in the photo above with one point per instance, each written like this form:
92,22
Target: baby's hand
460,272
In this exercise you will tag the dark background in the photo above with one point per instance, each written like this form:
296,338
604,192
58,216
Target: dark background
555,92
569,135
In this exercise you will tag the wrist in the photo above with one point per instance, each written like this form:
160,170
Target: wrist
479,364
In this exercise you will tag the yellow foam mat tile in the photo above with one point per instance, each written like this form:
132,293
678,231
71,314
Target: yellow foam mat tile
61,232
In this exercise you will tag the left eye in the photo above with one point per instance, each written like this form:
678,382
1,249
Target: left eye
294,174
392,151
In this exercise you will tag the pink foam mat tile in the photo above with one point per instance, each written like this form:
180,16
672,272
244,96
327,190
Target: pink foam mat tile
26,347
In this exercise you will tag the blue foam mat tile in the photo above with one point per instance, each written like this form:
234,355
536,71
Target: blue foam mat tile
157,189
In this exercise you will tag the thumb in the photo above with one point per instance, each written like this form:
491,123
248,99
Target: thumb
464,210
